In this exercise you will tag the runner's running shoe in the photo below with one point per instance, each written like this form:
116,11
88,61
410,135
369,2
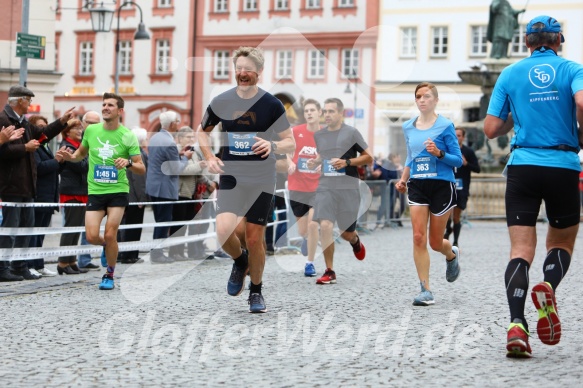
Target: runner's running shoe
517,344
425,297
360,253
310,270
236,282
106,283
329,277
256,303
548,327
452,270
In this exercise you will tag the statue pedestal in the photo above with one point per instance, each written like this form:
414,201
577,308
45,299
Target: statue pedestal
497,65
485,75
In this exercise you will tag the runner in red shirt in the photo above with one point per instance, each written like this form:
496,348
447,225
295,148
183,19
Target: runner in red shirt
303,182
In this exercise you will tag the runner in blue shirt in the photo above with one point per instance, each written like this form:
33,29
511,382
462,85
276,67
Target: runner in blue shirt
432,154
542,98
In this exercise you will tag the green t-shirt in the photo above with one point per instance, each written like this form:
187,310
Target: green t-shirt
104,147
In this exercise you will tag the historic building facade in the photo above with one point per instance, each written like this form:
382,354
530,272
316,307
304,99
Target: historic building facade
313,49
42,77
428,41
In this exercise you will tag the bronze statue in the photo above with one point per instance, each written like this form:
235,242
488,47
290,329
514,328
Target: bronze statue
501,27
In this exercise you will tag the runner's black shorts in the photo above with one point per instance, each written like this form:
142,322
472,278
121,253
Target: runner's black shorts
301,202
526,188
249,200
339,205
462,199
438,194
97,202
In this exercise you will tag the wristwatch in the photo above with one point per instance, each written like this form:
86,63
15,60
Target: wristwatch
130,163
441,154
273,147
347,162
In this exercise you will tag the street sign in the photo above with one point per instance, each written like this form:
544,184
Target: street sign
360,113
30,52
30,46
30,40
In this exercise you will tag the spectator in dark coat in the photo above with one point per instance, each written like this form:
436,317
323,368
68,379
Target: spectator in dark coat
18,175
73,189
165,163
84,259
47,190
134,214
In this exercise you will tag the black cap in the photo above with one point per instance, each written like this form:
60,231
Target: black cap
20,91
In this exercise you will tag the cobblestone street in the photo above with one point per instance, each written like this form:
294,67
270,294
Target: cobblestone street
175,325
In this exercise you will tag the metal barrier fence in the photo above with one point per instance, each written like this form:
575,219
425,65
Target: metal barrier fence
51,247
486,201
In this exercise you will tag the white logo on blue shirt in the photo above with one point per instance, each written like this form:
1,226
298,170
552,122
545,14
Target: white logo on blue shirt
542,76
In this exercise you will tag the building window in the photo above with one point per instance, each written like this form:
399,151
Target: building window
345,3
162,56
164,3
317,62
284,64
518,46
86,58
222,64
221,5
249,5
439,45
349,63
125,57
409,42
281,5
313,4
479,41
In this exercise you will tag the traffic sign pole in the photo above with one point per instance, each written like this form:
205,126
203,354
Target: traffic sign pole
23,74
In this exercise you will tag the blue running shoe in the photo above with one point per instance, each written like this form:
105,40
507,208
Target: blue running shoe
304,248
236,282
453,267
256,303
103,258
310,270
106,283
425,297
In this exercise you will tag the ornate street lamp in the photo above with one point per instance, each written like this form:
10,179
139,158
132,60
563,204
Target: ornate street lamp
101,19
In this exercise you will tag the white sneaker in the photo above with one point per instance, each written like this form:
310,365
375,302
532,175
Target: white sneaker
45,272
34,272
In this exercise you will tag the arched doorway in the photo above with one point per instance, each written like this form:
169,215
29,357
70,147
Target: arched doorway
149,116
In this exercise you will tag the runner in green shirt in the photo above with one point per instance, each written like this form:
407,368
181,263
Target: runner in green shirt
112,148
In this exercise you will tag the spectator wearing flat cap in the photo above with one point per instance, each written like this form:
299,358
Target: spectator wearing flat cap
18,174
